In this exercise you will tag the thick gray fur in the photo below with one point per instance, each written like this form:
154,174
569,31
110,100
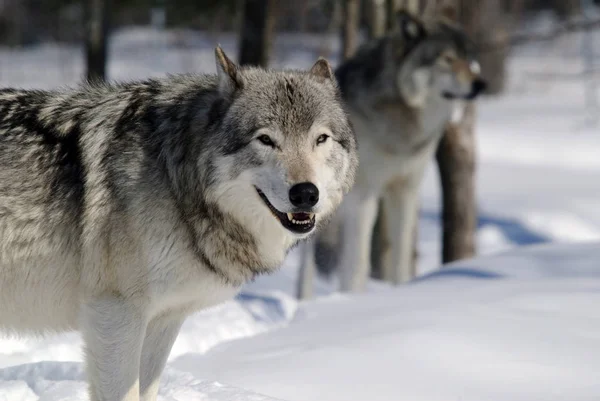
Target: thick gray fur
400,90
124,207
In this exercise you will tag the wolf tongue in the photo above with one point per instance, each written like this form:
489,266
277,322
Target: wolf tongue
301,216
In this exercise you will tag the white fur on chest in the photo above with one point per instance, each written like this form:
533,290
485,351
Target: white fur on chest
187,297
176,280
435,116
387,152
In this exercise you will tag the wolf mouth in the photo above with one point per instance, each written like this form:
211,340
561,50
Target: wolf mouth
299,222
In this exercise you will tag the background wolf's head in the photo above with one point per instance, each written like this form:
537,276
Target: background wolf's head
420,60
434,57
284,153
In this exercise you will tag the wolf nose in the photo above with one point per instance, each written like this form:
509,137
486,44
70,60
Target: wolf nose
305,194
479,85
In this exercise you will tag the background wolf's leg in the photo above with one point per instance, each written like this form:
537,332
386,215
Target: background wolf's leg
359,213
308,269
113,331
401,204
160,337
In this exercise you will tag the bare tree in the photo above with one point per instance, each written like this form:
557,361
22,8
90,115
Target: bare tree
96,38
392,6
15,16
350,29
456,163
303,15
256,36
333,28
567,8
491,24
377,18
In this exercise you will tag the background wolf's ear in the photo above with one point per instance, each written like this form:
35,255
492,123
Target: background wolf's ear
322,68
410,26
448,12
227,71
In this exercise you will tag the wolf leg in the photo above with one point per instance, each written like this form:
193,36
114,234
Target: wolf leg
401,204
113,330
160,337
359,218
308,268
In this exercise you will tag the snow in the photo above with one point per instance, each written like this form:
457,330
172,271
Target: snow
53,381
518,323
517,326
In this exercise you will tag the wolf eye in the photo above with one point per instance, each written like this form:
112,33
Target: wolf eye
266,140
449,59
322,139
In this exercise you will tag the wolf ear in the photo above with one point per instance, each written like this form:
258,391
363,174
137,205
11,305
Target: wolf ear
322,69
449,13
227,72
411,27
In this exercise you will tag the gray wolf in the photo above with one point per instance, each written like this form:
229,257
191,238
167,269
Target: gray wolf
400,92
125,207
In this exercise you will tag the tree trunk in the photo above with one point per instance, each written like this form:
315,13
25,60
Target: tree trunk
567,8
333,27
491,25
256,37
16,17
377,18
456,164
97,26
350,29
303,15
391,7
413,6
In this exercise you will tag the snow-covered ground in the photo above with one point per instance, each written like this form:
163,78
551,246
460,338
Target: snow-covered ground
522,324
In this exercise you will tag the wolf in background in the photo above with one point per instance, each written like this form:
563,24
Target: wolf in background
400,91
126,207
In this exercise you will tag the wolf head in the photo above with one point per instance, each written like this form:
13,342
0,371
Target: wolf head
433,57
285,151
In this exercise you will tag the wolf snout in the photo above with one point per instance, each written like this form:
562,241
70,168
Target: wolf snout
478,86
304,195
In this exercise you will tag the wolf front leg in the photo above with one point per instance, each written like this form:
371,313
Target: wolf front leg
401,206
308,268
160,337
113,331
359,213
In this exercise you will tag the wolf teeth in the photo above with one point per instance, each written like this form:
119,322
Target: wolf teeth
290,217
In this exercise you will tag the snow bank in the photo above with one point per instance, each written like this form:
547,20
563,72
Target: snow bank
523,325
56,381
250,314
